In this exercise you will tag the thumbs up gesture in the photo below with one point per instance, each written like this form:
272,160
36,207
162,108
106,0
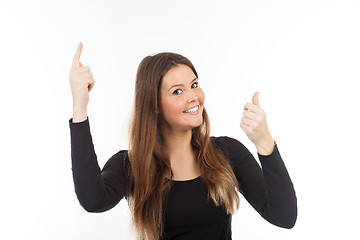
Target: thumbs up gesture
255,126
81,82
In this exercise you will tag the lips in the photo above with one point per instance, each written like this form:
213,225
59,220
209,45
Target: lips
192,110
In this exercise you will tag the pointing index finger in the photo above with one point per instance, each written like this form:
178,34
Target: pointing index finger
77,56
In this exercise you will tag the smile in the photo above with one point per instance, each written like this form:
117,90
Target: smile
194,109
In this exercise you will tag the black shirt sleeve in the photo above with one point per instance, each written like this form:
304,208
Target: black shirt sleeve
97,190
268,188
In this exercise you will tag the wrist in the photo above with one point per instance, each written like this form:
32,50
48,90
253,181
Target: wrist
265,147
79,115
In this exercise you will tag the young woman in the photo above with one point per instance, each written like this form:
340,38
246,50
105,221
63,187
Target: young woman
180,183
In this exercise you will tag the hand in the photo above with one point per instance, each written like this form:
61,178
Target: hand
255,126
81,81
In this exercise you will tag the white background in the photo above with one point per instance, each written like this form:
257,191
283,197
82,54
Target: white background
303,57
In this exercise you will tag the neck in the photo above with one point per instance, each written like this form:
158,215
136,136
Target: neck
177,142
182,156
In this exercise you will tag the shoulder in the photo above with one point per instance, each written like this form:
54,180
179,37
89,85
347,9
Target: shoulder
236,153
119,159
223,140
122,154
229,144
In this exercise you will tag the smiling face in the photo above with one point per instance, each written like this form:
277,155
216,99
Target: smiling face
181,100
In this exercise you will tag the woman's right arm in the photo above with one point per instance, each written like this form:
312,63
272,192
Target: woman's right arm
96,190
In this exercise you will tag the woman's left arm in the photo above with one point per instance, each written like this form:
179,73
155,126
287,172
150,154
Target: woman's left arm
279,203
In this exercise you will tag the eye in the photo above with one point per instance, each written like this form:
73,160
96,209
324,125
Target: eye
195,85
177,92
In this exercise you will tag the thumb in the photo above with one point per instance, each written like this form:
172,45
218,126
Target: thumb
255,99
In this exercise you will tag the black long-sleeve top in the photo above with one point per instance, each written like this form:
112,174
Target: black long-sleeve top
189,212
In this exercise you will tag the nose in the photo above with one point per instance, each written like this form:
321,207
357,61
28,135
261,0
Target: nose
192,97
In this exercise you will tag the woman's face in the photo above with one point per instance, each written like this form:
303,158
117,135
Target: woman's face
181,100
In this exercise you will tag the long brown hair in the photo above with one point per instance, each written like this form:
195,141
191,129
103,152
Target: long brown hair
150,165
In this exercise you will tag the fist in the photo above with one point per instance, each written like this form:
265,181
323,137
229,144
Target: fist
254,124
81,81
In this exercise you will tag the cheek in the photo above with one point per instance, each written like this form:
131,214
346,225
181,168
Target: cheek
171,106
201,96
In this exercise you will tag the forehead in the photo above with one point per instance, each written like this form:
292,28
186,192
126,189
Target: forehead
180,74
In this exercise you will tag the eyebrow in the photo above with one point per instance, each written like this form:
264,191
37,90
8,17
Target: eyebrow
180,84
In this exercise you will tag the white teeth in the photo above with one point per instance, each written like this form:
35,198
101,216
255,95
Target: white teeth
194,109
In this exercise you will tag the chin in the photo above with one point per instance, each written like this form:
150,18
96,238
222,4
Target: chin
198,124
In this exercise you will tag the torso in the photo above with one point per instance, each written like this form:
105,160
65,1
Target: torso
191,214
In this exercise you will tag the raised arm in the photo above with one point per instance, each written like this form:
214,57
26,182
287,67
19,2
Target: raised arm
268,189
97,190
